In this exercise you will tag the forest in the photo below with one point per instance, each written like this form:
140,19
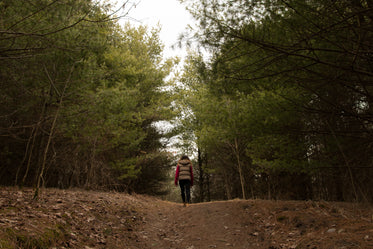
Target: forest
281,108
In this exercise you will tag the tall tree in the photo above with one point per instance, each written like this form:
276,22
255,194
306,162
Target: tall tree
80,96
308,64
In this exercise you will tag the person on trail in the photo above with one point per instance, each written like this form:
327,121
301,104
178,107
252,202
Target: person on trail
184,175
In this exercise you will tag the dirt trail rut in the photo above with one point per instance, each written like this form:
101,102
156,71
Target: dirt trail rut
256,224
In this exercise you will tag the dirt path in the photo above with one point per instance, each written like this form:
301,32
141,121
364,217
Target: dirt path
210,225
89,219
255,224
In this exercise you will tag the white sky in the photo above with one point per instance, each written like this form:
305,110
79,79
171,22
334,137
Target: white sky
172,17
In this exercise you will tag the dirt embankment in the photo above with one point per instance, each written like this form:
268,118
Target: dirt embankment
87,219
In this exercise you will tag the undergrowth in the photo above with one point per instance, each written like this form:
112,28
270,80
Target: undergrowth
12,238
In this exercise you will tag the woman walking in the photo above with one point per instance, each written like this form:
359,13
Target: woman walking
184,175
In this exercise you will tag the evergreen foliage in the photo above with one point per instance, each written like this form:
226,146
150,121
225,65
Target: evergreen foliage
281,109
284,108
79,98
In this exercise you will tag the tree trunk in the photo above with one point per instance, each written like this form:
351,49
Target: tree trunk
25,156
208,188
33,135
345,161
242,180
53,126
40,176
200,180
227,185
91,166
269,187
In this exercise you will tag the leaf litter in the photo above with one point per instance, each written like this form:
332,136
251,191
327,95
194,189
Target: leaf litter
93,219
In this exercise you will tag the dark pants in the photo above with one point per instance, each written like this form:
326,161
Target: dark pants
185,190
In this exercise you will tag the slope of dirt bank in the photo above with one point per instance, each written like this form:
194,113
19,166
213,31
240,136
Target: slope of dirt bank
87,219
68,219
259,224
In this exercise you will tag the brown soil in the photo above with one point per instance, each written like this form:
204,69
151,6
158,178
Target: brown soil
87,219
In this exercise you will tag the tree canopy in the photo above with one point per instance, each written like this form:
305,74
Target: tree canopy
285,110
80,95
281,109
